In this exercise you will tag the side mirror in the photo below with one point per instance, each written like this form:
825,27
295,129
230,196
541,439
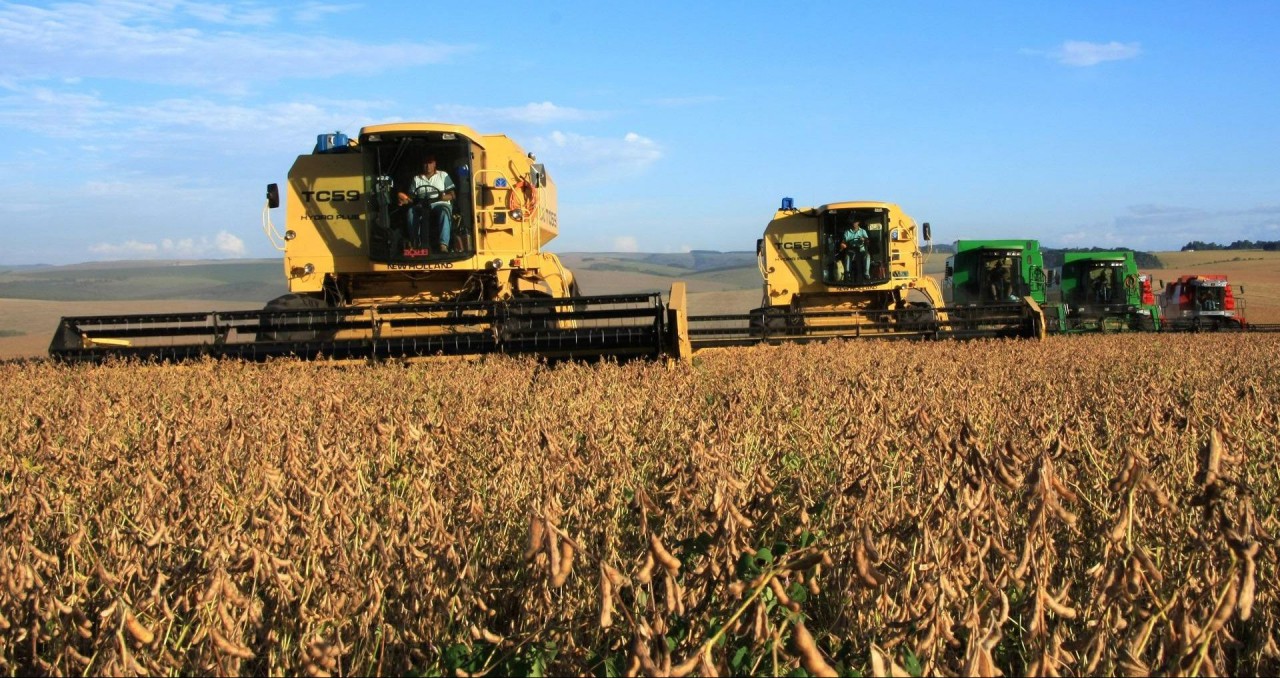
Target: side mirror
928,232
760,247
1242,290
273,196
1161,284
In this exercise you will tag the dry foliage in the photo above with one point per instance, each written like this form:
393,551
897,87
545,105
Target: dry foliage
1087,505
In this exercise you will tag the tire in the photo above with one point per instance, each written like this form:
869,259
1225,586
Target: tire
768,322
919,316
292,302
520,319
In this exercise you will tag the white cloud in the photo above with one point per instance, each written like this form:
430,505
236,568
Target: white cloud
230,14
228,244
626,243
223,245
129,249
1168,227
226,47
1079,53
605,158
310,12
1096,235
177,122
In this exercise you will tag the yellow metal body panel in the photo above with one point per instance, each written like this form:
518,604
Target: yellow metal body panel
795,253
327,222
324,211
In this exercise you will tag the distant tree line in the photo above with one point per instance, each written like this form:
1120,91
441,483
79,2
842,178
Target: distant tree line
1053,257
1267,245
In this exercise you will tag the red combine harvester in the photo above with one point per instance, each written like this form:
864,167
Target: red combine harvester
1202,302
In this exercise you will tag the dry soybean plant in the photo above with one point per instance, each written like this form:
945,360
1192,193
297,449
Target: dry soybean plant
1080,506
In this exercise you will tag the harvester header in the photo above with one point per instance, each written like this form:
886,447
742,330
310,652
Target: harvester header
853,269
411,239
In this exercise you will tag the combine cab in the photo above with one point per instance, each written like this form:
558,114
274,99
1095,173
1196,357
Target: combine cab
846,270
413,240
998,285
1103,292
1202,302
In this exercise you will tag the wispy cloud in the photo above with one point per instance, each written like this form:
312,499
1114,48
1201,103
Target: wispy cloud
1080,53
229,14
603,158
223,245
129,249
626,243
57,113
309,12
227,46
1166,227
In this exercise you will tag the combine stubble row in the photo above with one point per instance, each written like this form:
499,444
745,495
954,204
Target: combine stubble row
1085,505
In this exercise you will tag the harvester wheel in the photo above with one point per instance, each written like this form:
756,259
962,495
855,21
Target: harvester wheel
522,318
292,302
768,321
918,316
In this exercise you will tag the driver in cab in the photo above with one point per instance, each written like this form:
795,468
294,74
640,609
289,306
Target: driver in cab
432,193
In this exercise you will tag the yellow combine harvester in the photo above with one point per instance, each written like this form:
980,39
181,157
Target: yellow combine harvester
852,269
414,239
424,239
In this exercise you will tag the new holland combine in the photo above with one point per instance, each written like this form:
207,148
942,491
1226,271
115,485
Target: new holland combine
854,269
412,240
427,239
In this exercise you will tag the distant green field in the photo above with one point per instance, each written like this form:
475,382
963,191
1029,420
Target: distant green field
742,277
632,267
249,281
11,333
667,263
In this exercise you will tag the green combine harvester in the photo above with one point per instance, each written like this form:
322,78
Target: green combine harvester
1092,292
1102,292
989,279
983,272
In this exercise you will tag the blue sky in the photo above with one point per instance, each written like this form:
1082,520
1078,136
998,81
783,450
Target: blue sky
149,129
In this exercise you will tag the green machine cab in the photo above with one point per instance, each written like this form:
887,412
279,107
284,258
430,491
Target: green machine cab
1103,292
991,278
991,272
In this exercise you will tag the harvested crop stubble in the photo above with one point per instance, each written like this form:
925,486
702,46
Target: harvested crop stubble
1085,505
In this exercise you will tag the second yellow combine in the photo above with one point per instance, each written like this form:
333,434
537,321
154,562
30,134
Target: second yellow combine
851,270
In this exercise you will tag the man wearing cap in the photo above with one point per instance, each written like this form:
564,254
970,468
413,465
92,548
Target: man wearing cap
853,245
432,193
